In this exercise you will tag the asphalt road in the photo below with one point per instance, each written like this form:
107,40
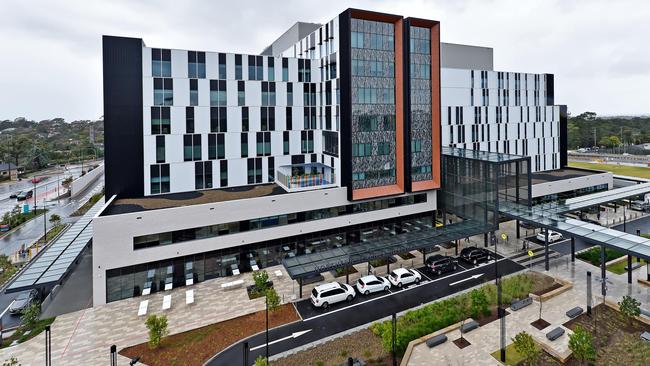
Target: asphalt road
338,320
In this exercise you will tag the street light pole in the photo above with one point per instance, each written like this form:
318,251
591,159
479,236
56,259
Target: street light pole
267,328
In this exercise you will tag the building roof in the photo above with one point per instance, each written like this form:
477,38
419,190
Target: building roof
561,174
130,205
7,166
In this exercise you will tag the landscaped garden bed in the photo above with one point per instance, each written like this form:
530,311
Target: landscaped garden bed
406,256
382,262
619,266
195,347
593,255
343,271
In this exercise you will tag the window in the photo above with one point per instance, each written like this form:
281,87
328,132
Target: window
244,145
362,149
271,169
222,66
285,69
161,62
221,146
383,148
268,93
263,143
163,93
306,142
285,142
195,64
238,67
160,149
271,69
416,146
203,175
212,146
254,170
160,120
289,94
194,92
223,173
218,119
255,64
191,147
304,70
241,93
218,93
189,120
289,118
267,118
330,143
159,178
244,119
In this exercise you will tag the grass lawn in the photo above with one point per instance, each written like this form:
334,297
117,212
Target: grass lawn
86,206
50,234
632,171
513,358
195,347
593,255
619,267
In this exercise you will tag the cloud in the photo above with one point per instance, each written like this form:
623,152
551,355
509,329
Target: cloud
52,50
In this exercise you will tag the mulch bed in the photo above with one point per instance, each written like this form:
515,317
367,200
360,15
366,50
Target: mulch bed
461,343
490,318
195,347
350,270
540,324
363,345
406,256
555,286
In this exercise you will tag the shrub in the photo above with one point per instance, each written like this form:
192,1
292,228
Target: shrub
526,347
261,279
593,255
157,326
30,316
55,219
261,361
480,304
13,361
581,343
273,299
630,307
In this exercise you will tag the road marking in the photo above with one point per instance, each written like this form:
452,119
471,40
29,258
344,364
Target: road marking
7,309
461,266
478,275
423,274
293,335
396,292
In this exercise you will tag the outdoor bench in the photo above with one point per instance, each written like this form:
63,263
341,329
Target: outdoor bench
232,284
437,340
645,312
574,312
518,305
468,327
555,334
645,336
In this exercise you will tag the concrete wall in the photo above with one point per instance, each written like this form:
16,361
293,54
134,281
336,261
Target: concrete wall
460,56
564,185
113,235
79,184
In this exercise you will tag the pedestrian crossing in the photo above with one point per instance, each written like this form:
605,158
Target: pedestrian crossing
525,259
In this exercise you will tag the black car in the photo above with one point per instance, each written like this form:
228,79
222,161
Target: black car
24,195
15,194
22,301
440,264
475,255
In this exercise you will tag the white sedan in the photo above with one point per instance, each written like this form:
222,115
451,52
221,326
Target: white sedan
553,236
368,284
402,276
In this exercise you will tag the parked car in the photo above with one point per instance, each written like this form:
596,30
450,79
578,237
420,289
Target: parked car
24,195
402,276
475,255
35,180
368,284
330,293
553,236
22,301
440,264
15,194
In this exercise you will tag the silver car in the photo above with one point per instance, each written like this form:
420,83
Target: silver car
22,301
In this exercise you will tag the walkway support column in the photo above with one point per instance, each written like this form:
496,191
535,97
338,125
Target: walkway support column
546,265
518,233
300,288
485,240
647,266
387,266
603,272
573,249
589,292
629,268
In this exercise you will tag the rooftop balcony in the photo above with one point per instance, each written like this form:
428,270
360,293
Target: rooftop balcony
305,177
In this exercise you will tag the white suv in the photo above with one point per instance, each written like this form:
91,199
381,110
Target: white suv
324,295
553,236
402,276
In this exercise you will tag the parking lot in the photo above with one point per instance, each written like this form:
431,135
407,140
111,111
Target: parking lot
309,311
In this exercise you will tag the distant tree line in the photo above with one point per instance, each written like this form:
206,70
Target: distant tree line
610,132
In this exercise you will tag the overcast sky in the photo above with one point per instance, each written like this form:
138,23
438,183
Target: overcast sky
50,63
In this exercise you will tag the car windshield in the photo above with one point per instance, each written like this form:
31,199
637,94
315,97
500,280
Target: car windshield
361,282
342,286
314,293
23,296
393,274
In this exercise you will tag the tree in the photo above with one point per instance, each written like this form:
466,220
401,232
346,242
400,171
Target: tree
480,303
526,346
157,326
30,316
66,182
581,343
272,298
463,311
630,307
14,148
541,301
261,279
55,219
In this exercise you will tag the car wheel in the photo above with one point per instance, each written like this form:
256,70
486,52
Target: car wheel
475,262
350,297
439,272
325,304
417,280
399,285
386,288
365,293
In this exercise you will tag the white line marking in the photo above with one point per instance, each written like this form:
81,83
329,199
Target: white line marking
391,294
3,313
293,335
478,275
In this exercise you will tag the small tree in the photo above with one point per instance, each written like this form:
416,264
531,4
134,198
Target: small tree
541,303
480,303
261,279
157,326
581,343
55,219
630,307
526,346
13,361
261,361
464,312
273,299
66,182
30,316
